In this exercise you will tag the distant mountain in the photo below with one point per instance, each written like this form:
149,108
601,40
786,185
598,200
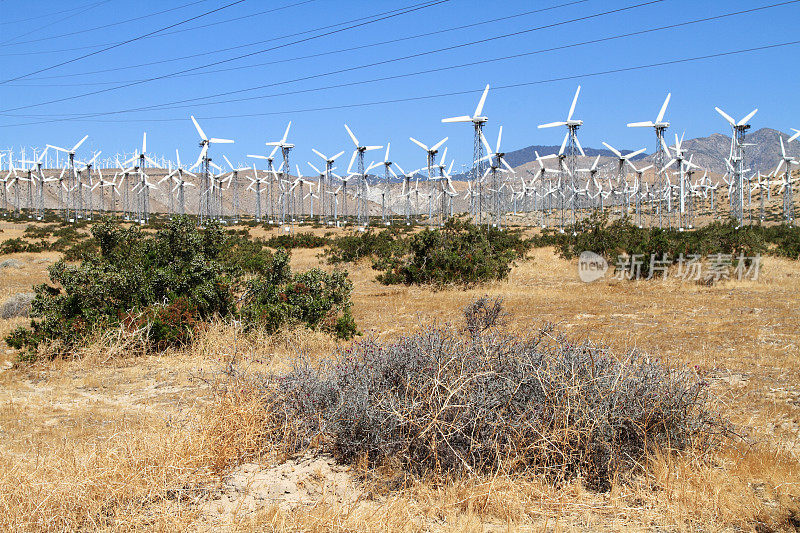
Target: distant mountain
710,152
707,152
528,154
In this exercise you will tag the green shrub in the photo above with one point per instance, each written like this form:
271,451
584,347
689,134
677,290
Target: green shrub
612,239
380,245
168,282
314,298
297,240
459,253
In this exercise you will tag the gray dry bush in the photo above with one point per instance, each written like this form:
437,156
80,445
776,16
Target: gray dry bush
17,305
479,399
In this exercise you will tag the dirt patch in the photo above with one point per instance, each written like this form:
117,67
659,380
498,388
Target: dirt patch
306,480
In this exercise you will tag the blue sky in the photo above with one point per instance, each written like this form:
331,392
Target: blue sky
38,34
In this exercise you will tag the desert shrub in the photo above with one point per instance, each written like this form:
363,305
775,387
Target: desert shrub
81,250
620,237
448,401
458,253
132,272
378,245
315,299
786,240
297,240
168,282
36,231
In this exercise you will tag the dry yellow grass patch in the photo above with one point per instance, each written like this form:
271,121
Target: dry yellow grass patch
140,442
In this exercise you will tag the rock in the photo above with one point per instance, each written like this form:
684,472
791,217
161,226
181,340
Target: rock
42,260
11,263
17,305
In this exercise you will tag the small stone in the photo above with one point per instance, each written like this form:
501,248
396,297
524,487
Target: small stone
11,263
17,305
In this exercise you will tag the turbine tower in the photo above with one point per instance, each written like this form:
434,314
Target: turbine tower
662,152
574,148
737,160
203,159
478,121
362,216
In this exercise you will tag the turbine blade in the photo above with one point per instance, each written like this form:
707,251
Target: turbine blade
646,124
439,144
75,148
574,101
746,119
726,116
413,140
199,129
463,118
479,109
353,137
552,125
663,108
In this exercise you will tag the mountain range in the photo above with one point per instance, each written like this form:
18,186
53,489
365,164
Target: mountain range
762,153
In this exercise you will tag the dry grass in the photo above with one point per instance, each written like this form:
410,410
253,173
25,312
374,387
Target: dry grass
139,442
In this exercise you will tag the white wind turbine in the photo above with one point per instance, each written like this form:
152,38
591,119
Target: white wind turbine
203,162
786,183
361,208
270,171
478,120
325,181
72,173
571,140
622,172
737,160
431,161
286,147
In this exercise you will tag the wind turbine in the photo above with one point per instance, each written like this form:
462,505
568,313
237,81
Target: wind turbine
786,184
286,148
325,181
431,159
496,170
478,120
570,139
73,174
270,171
361,208
622,174
737,157
660,126
205,172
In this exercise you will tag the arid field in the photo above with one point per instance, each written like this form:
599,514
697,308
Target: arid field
118,440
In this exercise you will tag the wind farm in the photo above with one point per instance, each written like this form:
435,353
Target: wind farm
437,265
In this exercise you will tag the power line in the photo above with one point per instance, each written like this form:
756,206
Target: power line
453,93
392,60
431,70
117,45
162,34
293,34
18,21
61,20
309,56
110,25
155,78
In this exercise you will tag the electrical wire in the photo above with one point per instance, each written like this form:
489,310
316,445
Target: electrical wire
164,76
122,43
104,26
404,38
452,93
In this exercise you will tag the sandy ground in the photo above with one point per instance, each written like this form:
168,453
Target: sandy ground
126,426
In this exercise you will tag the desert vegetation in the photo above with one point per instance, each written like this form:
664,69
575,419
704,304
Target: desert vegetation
523,401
